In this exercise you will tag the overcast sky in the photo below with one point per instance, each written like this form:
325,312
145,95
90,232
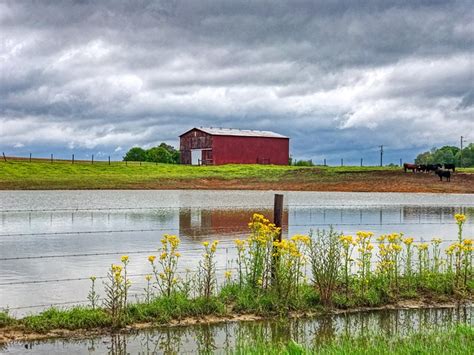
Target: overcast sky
338,77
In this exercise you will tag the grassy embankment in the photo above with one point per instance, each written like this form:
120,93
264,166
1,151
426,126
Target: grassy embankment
456,340
64,175
21,174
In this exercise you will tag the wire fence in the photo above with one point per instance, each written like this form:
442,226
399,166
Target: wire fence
247,206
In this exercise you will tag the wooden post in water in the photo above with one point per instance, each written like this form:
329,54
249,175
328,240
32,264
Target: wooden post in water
277,220
278,212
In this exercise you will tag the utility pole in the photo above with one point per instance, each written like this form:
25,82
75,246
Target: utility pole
463,139
381,155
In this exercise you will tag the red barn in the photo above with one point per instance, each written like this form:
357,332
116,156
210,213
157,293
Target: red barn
204,146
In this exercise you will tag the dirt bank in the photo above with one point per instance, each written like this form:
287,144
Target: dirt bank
376,181
16,334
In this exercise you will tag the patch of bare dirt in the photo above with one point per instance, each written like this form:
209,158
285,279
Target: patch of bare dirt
375,181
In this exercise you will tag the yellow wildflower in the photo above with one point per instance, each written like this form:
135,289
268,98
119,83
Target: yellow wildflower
397,248
151,258
206,244
408,241
228,275
148,277
460,218
124,259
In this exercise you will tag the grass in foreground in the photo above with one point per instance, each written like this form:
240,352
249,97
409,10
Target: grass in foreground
457,340
231,300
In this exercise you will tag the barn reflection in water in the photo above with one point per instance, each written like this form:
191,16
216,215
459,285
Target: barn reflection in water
196,223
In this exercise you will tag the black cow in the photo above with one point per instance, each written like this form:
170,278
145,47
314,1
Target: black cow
433,167
443,173
421,167
450,167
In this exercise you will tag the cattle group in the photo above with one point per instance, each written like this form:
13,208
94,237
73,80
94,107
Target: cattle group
442,170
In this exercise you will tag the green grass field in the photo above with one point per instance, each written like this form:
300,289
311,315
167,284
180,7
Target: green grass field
64,175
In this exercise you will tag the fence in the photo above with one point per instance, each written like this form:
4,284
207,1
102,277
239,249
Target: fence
108,160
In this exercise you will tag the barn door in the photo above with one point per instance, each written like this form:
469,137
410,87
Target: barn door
196,156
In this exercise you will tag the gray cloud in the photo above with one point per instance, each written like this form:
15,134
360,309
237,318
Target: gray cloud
338,77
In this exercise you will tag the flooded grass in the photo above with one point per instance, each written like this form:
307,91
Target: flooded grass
456,340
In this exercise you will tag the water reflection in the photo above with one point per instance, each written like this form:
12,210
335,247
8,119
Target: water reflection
208,338
194,223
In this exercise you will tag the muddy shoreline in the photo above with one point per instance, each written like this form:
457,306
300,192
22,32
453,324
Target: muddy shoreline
17,334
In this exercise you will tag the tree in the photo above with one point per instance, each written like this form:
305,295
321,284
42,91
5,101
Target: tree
467,156
135,154
159,155
164,153
448,155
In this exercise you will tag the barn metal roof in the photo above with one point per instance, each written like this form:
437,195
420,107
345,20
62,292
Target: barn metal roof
238,132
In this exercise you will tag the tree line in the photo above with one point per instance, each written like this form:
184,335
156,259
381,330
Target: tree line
163,153
448,155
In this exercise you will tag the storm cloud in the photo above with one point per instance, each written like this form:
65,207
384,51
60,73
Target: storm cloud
338,77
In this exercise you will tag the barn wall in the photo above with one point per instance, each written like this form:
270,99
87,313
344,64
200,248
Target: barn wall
195,139
250,150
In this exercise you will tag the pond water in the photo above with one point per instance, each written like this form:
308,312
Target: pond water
51,242
222,338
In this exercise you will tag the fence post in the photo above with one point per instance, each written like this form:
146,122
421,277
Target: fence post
30,157
4,157
92,158
51,158
277,220
109,159
342,162
324,161
361,161
401,162
73,158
